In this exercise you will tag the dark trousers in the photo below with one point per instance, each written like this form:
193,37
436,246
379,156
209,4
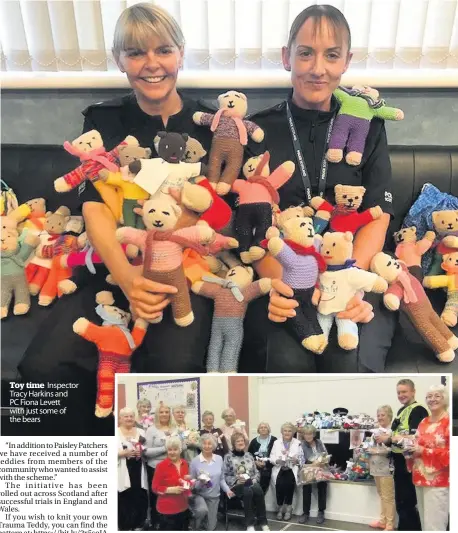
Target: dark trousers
253,502
284,487
264,481
251,223
405,496
174,522
322,488
152,495
132,504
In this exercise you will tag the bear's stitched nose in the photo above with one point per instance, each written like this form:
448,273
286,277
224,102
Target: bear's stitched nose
231,103
450,226
89,144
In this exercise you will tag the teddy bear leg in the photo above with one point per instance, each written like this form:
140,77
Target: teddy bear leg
449,314
357,140
6,295
443,330
66,286
233,338
215,161
105,384
215,346
49,291
181,301
347,334
21,295
233,165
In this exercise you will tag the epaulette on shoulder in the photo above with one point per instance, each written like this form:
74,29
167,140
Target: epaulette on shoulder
278,108
107,104
206,107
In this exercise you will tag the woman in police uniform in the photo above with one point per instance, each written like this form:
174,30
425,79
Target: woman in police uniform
148,48
317,54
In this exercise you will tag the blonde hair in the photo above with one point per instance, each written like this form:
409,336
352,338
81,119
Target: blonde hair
180,407
387,409
138,23
288,425
160,406
126,411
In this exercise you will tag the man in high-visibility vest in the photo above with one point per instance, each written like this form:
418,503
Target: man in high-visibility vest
406,422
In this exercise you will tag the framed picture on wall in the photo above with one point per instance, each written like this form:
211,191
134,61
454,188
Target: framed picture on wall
172,393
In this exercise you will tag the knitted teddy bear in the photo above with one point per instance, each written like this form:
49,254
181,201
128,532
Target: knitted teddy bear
162,250
410,251
194,151
230,135
232,296
14,283
158,175
123,182
89,148
55,242
35,218
301,261
280,217
446,227
339,284
406,292
344,216
115,344
448,281
353,120
257,194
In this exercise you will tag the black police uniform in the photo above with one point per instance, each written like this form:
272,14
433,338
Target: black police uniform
56,353
284,352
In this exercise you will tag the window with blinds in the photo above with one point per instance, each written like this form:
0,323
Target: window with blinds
228,35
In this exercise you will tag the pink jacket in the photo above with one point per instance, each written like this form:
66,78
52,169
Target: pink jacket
250,193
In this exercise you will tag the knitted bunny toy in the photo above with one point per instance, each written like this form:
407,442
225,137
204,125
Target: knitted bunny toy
301,261
449,280
115,344
410,251
339,284
14,283
406,292
162,250
344,216
257,194
123,181
231,297
230,136
35,218
89,148
353,120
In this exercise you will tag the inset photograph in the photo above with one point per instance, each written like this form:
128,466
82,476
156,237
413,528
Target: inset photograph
289,452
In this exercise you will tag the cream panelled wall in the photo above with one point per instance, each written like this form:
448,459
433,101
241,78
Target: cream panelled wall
284,398
66,35
213,391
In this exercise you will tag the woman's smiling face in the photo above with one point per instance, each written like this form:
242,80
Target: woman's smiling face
152,71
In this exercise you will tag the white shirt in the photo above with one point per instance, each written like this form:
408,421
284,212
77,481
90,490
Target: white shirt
203,460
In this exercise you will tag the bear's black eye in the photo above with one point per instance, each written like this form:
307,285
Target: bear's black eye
298,216
236,95
333,243
194,153
389,263
344,196
152,210
93,138
81,142
302,224
356,197
443,222
166,213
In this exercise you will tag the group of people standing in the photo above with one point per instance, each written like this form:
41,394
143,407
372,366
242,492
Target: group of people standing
165,481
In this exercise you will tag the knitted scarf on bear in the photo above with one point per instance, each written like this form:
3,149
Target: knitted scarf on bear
404,280
109,320
243,137
97,154
154,235
226,284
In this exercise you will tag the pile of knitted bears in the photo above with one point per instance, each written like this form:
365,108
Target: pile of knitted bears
338,420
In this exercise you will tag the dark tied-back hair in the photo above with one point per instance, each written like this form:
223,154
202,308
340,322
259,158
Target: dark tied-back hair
317,13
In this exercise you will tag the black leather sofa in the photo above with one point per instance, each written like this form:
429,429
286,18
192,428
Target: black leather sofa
30,171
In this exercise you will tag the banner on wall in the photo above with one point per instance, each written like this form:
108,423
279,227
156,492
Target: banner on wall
172,393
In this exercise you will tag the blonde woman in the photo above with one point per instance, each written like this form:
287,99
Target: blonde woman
132,479
156,450
381,470
228,429
431,462
287,457
190,450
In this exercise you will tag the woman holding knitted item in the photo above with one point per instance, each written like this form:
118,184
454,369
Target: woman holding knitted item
317,54
148,47
232,425
157,436
242,477
207,470
380,467
430,463
261,448
208,421
132,479
179,415
311,447
287,457
144,418
169,484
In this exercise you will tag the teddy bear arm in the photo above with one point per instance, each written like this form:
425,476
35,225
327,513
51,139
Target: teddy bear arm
423,246
252,291
435,282
210,290
20,213
238,185
396,290
128,235
25,251
114,179
206,119
361,280
92,333
279,176
75,177
387,113
138,334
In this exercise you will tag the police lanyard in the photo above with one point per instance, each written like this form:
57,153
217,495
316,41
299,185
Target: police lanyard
301,160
